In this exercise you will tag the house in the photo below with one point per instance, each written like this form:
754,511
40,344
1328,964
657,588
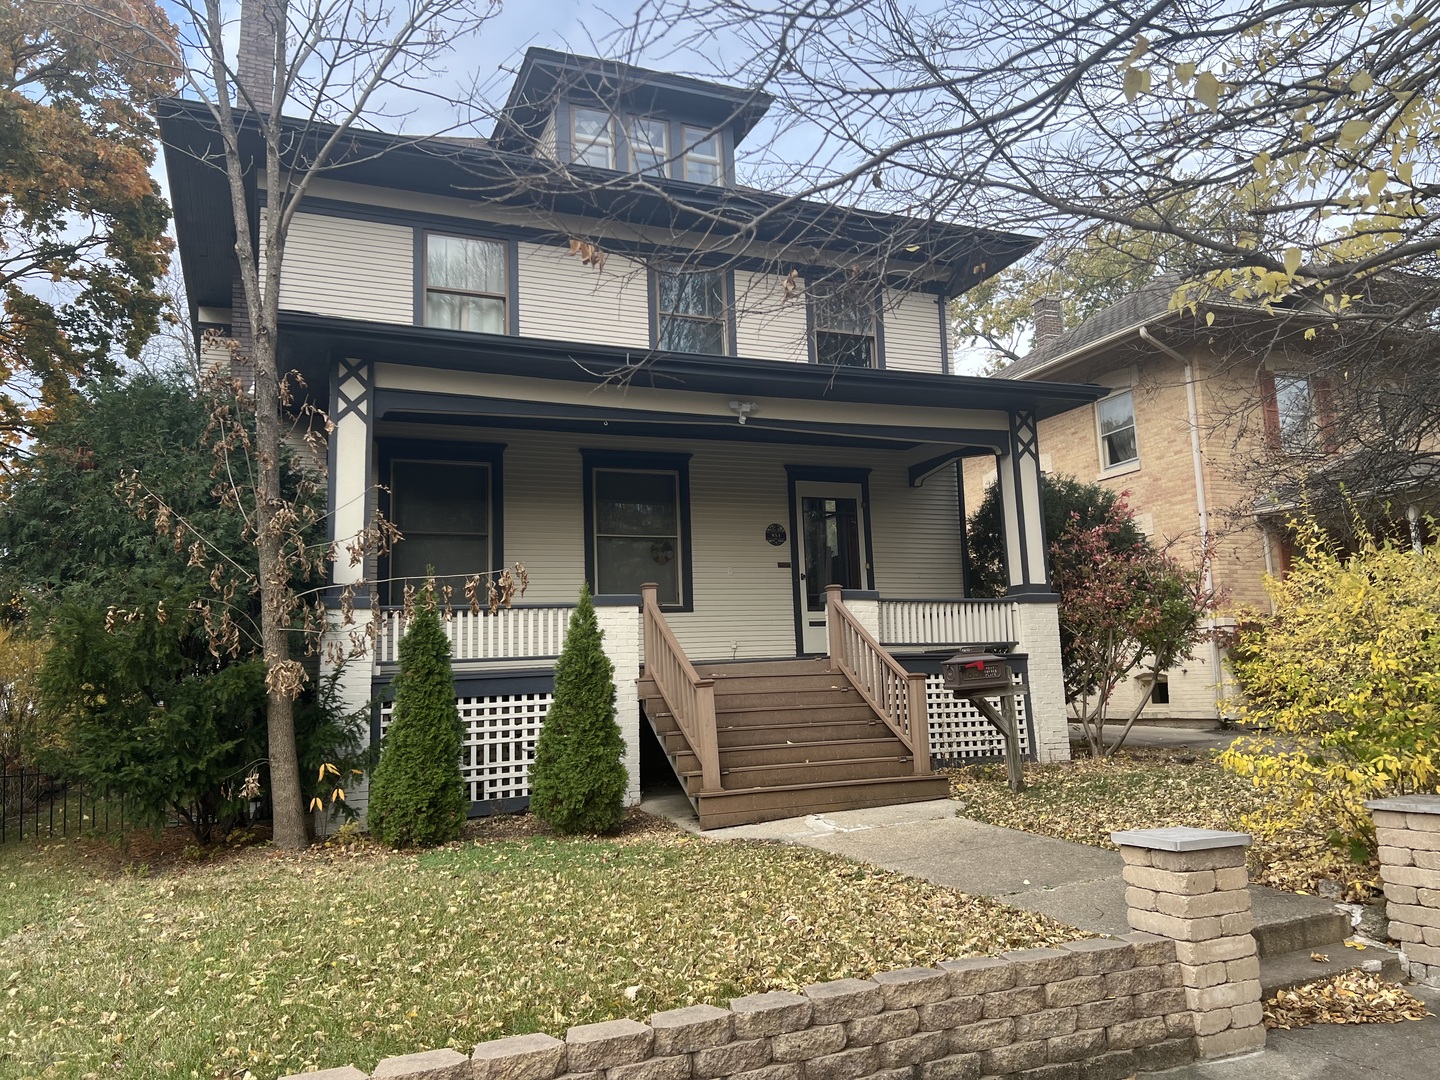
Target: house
1195,398
581,346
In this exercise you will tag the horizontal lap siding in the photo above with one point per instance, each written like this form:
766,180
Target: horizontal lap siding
349,269
767,326
912,332
917,534
562,298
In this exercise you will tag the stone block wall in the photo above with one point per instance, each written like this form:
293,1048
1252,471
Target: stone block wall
1408,831
1099,1009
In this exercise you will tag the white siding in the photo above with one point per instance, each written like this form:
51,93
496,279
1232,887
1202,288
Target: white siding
564,299
767,326
912,332
349,269
547,146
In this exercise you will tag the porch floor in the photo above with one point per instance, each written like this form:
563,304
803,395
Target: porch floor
794,738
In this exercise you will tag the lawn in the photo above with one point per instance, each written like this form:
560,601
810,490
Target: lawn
273,963
1085,800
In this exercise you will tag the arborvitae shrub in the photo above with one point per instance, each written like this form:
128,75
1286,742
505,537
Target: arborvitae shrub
417,797
577,780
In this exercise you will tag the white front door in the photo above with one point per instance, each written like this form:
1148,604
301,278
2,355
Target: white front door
831,551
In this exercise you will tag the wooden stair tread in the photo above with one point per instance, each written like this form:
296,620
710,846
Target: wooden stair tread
777,766
939,779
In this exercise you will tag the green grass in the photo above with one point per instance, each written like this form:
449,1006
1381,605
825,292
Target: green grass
273,964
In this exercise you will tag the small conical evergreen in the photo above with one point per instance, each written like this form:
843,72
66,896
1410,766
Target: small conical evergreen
417,796
577,780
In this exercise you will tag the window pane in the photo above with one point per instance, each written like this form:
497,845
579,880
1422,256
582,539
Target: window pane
594,140
477,314
701,172
440,497
636,503
1120,447
464,263
591,124
1292,402
624,563
679,334
453,557
843,310
649,145
1117,429
692,292
844,350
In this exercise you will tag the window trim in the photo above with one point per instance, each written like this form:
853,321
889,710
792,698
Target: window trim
509,247
813,328
1306,437
641,461
613,142
665,163
449,452
1130,464
726,318
689,152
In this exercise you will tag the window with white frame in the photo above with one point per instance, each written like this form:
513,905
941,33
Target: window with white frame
443,511
649,145
702,163
1115,417
1295,413
637,531
690,309
592,138
465,283
844,325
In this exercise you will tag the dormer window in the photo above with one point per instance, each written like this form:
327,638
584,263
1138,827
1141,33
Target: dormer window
592,138
702,156
649,145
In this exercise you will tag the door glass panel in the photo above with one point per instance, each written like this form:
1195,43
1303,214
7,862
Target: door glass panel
832,547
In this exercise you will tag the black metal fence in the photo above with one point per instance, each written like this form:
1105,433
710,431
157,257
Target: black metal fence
33,804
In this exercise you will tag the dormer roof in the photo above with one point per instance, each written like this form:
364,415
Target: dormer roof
546,76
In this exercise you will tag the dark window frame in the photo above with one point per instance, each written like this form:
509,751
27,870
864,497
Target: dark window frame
423,288
725,320
641,461
816,295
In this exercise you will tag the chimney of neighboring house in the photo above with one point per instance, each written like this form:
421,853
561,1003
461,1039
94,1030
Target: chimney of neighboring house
1049,320
255,57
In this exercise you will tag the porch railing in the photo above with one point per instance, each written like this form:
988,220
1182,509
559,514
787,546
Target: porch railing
690,699
531,632
947,622
896,695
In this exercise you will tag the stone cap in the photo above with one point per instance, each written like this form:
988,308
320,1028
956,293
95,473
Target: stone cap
1181,839
1407,804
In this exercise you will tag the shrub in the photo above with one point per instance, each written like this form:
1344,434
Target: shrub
1345,679
417,796
577,780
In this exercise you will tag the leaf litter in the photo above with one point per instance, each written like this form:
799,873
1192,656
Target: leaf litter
1352,997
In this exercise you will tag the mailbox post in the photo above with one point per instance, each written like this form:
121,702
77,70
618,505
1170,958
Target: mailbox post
977,675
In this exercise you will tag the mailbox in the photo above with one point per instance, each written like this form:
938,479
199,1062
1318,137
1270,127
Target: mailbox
972,671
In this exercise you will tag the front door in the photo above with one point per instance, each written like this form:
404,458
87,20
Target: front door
832,551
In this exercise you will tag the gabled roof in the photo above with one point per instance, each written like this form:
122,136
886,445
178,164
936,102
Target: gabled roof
1143,306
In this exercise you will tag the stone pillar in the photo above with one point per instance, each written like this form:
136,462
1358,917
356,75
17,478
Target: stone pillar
1408,830
619,620
1190,885
1037,628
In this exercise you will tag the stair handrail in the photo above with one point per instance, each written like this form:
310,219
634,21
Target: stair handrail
896,695
690,699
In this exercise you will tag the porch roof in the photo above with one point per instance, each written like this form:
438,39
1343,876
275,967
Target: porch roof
309,341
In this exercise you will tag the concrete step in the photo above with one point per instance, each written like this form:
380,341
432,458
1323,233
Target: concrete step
1287,923
1291,969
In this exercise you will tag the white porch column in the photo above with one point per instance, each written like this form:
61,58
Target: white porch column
1018,472
619,620
355,691
864,604
1037,625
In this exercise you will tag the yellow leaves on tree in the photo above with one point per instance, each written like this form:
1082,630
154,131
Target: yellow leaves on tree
82,224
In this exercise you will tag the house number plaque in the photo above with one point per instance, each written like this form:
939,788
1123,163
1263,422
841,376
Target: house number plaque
775,534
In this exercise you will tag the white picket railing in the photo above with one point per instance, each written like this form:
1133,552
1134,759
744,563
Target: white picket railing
519,633
947,622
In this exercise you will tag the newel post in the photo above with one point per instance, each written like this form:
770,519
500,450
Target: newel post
649,600
832,625
919,721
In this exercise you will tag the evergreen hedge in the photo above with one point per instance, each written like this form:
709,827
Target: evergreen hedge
577,780
417,796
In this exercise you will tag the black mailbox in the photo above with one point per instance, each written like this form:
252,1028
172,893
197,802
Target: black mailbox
972,671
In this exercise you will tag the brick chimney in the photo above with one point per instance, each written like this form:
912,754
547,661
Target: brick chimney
255,56
1049,315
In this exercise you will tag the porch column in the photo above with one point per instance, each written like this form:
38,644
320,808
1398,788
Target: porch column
1018,472
619,619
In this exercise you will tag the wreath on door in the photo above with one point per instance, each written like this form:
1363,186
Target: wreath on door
662,551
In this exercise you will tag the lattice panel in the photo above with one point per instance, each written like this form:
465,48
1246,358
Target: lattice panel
497,742
959,734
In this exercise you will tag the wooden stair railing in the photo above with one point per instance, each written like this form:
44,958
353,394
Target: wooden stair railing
896,695
690,699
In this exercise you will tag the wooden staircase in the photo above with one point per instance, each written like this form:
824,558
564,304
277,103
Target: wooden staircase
794,738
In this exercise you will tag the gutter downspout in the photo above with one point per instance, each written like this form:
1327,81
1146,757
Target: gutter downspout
1202,509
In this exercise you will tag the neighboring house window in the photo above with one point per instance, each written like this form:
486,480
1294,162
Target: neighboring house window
592,138
1294,413
636,519
702,156
1116,417
443,512
649,145
465,283
844,327
690,310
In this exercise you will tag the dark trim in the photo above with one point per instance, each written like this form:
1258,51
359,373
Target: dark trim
512,269
419,233
727,299
732,343
361,601
964,528
363,406
880,330
1032,594
517,804
641,460
923,470
406,449
809,327
943,303
824,474
859,594
485,684
616,600
1019,503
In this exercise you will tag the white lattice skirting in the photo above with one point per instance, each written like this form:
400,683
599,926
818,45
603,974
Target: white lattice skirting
497,742
959,734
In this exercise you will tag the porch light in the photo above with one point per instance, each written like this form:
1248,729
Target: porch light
743,409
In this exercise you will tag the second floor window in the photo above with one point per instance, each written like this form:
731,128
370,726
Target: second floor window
592,138
465,284
844,327
1295,413
649,145
1115,416
690,310
702,156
